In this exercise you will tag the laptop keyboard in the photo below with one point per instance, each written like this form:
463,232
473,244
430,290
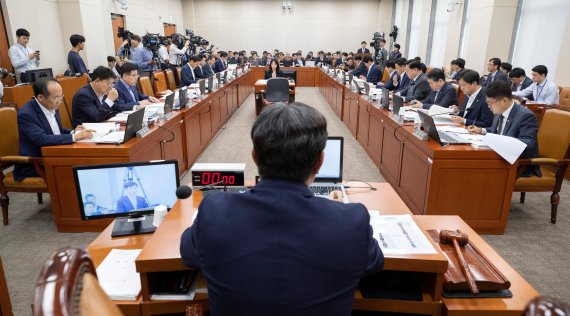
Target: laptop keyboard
446,138
324,190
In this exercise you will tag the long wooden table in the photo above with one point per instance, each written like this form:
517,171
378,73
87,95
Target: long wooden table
476,184
183,138
161,253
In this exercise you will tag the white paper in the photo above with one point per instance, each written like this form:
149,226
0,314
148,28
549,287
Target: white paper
100,128
443,119
453,129
509,148
399,234
119,118
179,297
118,276
261,81
437,110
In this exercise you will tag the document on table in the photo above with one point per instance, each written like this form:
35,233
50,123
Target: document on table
101,129
452,129
118,276
399,235
509,148
119,118
438,110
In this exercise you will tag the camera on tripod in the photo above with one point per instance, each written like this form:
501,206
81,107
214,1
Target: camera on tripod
376,40
394,33
126,36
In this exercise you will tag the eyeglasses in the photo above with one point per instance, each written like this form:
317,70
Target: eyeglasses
491,103
59,99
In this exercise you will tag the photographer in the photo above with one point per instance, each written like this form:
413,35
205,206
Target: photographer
163,53
141,56
176,53
382,54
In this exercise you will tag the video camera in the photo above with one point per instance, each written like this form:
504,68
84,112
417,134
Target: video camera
126,36
376,38
394,33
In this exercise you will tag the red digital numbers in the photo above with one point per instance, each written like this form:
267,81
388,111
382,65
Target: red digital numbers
215,177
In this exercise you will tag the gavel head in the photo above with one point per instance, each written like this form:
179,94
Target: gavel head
447,237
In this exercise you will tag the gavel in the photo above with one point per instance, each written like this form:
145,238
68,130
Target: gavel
458,238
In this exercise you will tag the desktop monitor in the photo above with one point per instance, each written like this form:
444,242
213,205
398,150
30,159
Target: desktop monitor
31,76
126,191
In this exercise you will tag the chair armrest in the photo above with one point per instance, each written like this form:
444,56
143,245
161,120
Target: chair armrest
36,161
538,162
15,159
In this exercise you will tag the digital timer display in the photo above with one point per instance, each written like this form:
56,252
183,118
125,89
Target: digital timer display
228,178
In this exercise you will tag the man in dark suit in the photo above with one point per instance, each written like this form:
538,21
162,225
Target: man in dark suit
363,50
373,72
395,53
129,96
198,70
221,64
494,73
519,80
319,61
39,125
359,67
130,200
187,74
419,88
442,93
458,66
512,120
207,69
95,102
393,82
474,110
277,249
382,54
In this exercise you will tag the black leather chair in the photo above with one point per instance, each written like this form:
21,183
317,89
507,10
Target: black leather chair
277,91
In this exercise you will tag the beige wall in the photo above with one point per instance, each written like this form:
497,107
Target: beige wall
424,29
261,25
453,35
562,77
51,22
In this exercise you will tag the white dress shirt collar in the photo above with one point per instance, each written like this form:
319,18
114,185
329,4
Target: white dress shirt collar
50,117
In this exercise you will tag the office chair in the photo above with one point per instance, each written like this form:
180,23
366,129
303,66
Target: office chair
10,155
565,96
68,285
277,91
553,159
145,86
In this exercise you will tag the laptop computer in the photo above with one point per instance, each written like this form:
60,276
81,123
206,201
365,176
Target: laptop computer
202,86
182,98
441,137
329,177
385,100
134,124
397,104
168,105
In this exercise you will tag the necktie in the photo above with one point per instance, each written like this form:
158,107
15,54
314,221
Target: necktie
467,108
500,125
492,77
435,99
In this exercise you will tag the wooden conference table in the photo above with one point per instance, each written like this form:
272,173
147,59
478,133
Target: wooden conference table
160,253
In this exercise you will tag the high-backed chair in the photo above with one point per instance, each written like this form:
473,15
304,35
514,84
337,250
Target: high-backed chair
159,83
10,155
546,306
385,75
554,158
68,285
178,75
65,114
565,96
5,304
145,86
277,91
170,80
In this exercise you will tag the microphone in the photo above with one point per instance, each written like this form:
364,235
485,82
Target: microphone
183,192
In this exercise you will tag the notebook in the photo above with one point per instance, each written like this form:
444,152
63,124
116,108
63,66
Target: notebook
134,124
329,177
441,137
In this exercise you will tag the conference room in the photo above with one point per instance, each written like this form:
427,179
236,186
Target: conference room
188,157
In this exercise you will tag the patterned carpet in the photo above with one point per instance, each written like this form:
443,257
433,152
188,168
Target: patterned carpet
539,250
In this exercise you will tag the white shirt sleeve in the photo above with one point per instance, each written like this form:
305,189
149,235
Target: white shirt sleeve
526,92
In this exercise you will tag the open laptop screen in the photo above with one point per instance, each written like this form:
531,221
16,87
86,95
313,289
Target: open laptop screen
331,170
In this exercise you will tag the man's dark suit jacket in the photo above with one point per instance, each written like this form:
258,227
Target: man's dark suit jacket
417,90
394,55
207,70
499,75
360,70
219,65
279,250
403,82
35,132
446,97
86,107
521,124
479,113
299,62
527,82
186,77
458,75
390,83
373,75
125,101
199,74
125,205
363,51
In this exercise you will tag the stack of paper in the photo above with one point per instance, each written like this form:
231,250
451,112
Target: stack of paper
399,234
118,276
452,129
509,148
437,110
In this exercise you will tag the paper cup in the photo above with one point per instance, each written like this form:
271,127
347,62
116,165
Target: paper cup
159,215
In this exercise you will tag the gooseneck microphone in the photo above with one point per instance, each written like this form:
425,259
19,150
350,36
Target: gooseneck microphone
183,192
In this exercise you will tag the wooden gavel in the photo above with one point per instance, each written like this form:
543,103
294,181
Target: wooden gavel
458,238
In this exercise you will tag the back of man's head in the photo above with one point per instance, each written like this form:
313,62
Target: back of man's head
127,68
288,141
436,74
517,73
103,73
499,89
76,39
470,76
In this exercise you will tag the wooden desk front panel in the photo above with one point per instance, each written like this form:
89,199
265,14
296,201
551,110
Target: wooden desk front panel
19,95
350,111
363,132
305,76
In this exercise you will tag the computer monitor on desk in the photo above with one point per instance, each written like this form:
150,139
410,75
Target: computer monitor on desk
31,76
127,192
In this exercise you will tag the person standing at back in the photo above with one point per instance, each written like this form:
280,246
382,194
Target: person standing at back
22,56
74,60
277,249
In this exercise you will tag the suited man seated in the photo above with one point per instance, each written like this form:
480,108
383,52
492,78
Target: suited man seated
39,125
208,67
458,67
359,67
95,102
363,50
221,63
188,72
373,72
395,79
418,88
442,93
391,69
512,120
317,249
130,200
129,95
519,80
494,73
474,110
199,70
